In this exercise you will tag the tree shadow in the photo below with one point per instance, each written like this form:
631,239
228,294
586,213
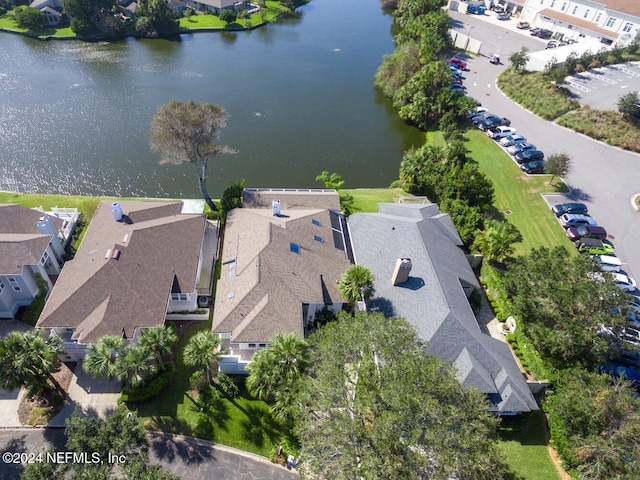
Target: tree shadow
214,409
258,425
578,194
170,449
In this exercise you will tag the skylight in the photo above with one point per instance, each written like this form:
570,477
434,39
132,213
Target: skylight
294,247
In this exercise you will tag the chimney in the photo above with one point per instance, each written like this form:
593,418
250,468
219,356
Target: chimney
116,209
275,208
402,271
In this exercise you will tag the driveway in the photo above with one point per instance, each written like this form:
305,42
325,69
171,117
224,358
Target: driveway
603,177
187,457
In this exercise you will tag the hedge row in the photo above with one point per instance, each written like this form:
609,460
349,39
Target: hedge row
152,389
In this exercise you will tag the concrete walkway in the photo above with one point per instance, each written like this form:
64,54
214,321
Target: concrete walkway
96,398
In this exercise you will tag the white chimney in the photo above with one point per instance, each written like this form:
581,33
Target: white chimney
116,209
402,271
275,207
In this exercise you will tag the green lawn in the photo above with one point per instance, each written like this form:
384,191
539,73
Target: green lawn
243,423
523,445
367,199
519,194
271,13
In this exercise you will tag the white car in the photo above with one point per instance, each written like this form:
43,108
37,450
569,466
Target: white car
625,282
500,132
608,263
511,139
520,147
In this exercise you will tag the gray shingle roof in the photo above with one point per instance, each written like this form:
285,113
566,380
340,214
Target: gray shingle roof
159,251
263,282
433,300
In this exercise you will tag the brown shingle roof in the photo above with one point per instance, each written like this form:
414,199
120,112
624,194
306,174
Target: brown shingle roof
18,250
159,248
15,218
632,7
263,283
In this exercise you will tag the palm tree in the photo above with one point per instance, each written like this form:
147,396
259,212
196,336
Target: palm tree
134,364
356,284
203,349
103,357
496,241
27,359
277,368
160,341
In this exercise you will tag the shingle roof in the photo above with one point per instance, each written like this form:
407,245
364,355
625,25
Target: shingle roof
433,300
159,251
624,6
263,282
580,22
15,218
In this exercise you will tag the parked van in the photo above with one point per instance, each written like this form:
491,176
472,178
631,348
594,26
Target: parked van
576,219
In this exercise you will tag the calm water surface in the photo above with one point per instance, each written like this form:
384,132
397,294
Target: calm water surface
75,116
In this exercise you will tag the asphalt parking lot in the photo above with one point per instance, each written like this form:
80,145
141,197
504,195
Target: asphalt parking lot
603,177
600,88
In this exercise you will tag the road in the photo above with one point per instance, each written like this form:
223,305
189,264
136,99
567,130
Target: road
603,177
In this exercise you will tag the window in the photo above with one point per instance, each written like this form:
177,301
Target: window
14,283
575,9
564,5
294,247
586,13
318,239
627,27
316,222
179,296
611,22
262,345
553,2
44,258
252,345
599,16
1,286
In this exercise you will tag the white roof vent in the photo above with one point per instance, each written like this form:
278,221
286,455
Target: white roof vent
275,208
116,209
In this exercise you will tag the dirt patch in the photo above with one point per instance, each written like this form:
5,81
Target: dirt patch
39,410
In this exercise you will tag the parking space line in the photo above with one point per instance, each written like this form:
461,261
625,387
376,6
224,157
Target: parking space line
577,86
625,70
600,76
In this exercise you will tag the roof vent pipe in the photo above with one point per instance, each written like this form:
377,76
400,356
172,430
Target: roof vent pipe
116,209
275,208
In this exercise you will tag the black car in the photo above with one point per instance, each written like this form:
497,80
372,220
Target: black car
529,156
489,123
537,166
483,116
543,33
563,208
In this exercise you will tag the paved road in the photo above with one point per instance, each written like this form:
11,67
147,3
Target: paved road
187,457
603,177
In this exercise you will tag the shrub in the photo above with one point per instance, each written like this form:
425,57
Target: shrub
226,384
152,388
198,381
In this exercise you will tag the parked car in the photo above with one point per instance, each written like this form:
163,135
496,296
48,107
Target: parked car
626,283
504,16
586,231
622,371
483,116
635,306
594,247
457,88
461,64
520,147
511,139
544,33
455,70
563,208
502,131
488,123
576,219
522,25
529,156
537,166
476,111
608,263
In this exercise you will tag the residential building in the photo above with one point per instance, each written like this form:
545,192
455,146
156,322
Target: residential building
422,275
51,8
283,254
139,261
215,6
609,21
32,250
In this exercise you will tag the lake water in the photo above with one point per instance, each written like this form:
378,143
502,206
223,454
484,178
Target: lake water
75,116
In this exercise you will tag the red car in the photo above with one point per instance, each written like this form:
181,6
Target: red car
461,64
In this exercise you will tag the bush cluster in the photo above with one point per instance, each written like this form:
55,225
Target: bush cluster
152,388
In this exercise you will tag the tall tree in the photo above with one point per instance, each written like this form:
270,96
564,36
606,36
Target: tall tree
564,312
558,165
203,350
28,359
157,18
187,132
118,436
520,59
134,364
274,372
356,284
103,356
159,340
374,405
